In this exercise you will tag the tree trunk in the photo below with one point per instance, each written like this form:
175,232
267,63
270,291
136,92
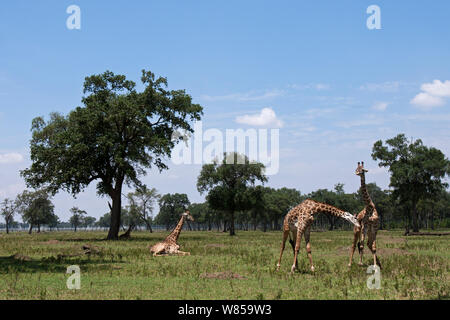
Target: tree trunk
232,224
39,228
116,207
30,229
331,220
149,226
432,218
381,222
415,218
7,227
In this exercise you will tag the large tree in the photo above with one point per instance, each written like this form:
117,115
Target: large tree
112,139
417,172
229,184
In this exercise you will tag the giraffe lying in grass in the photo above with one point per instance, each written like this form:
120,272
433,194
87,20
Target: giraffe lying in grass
298,222
169,246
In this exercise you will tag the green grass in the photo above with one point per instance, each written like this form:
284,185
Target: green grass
413,267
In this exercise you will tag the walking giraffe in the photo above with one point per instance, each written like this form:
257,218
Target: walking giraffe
299,220
368,220
169,245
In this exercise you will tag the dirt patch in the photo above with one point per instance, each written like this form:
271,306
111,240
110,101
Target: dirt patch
20,257
222,275
53,242
391,251
214,245
380,251
389,239
88,249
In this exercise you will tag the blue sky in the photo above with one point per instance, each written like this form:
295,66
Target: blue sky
336,86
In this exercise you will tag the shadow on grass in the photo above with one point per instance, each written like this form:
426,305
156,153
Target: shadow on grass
87,240
10,264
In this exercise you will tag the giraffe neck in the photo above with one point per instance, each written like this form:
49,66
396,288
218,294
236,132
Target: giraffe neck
173,236
328,209
364,192
319,207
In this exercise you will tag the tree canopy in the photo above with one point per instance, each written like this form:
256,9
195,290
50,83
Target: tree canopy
141,203
228,184
8,209
417,171
77,218
112,139
36,208
171,206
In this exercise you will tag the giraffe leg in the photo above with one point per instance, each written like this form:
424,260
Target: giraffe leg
283,242
308,247
292,242
300,231
361,245
371,243
356,236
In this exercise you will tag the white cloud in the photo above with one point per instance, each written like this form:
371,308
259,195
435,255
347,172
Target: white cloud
432,95
437,88
248,96
266,117
11,157
380,106
369,120
316,86
426,101
388,86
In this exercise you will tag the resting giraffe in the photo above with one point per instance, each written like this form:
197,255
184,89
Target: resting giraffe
299,220
169,245
368,219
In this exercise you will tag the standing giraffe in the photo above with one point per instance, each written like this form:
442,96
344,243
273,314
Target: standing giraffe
299,220
169,245
368,220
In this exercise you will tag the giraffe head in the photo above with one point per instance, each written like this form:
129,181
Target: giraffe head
360,169
187,215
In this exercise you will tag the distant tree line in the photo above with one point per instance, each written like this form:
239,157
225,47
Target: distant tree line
236,197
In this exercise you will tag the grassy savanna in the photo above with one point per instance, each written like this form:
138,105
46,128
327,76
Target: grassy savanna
220,267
